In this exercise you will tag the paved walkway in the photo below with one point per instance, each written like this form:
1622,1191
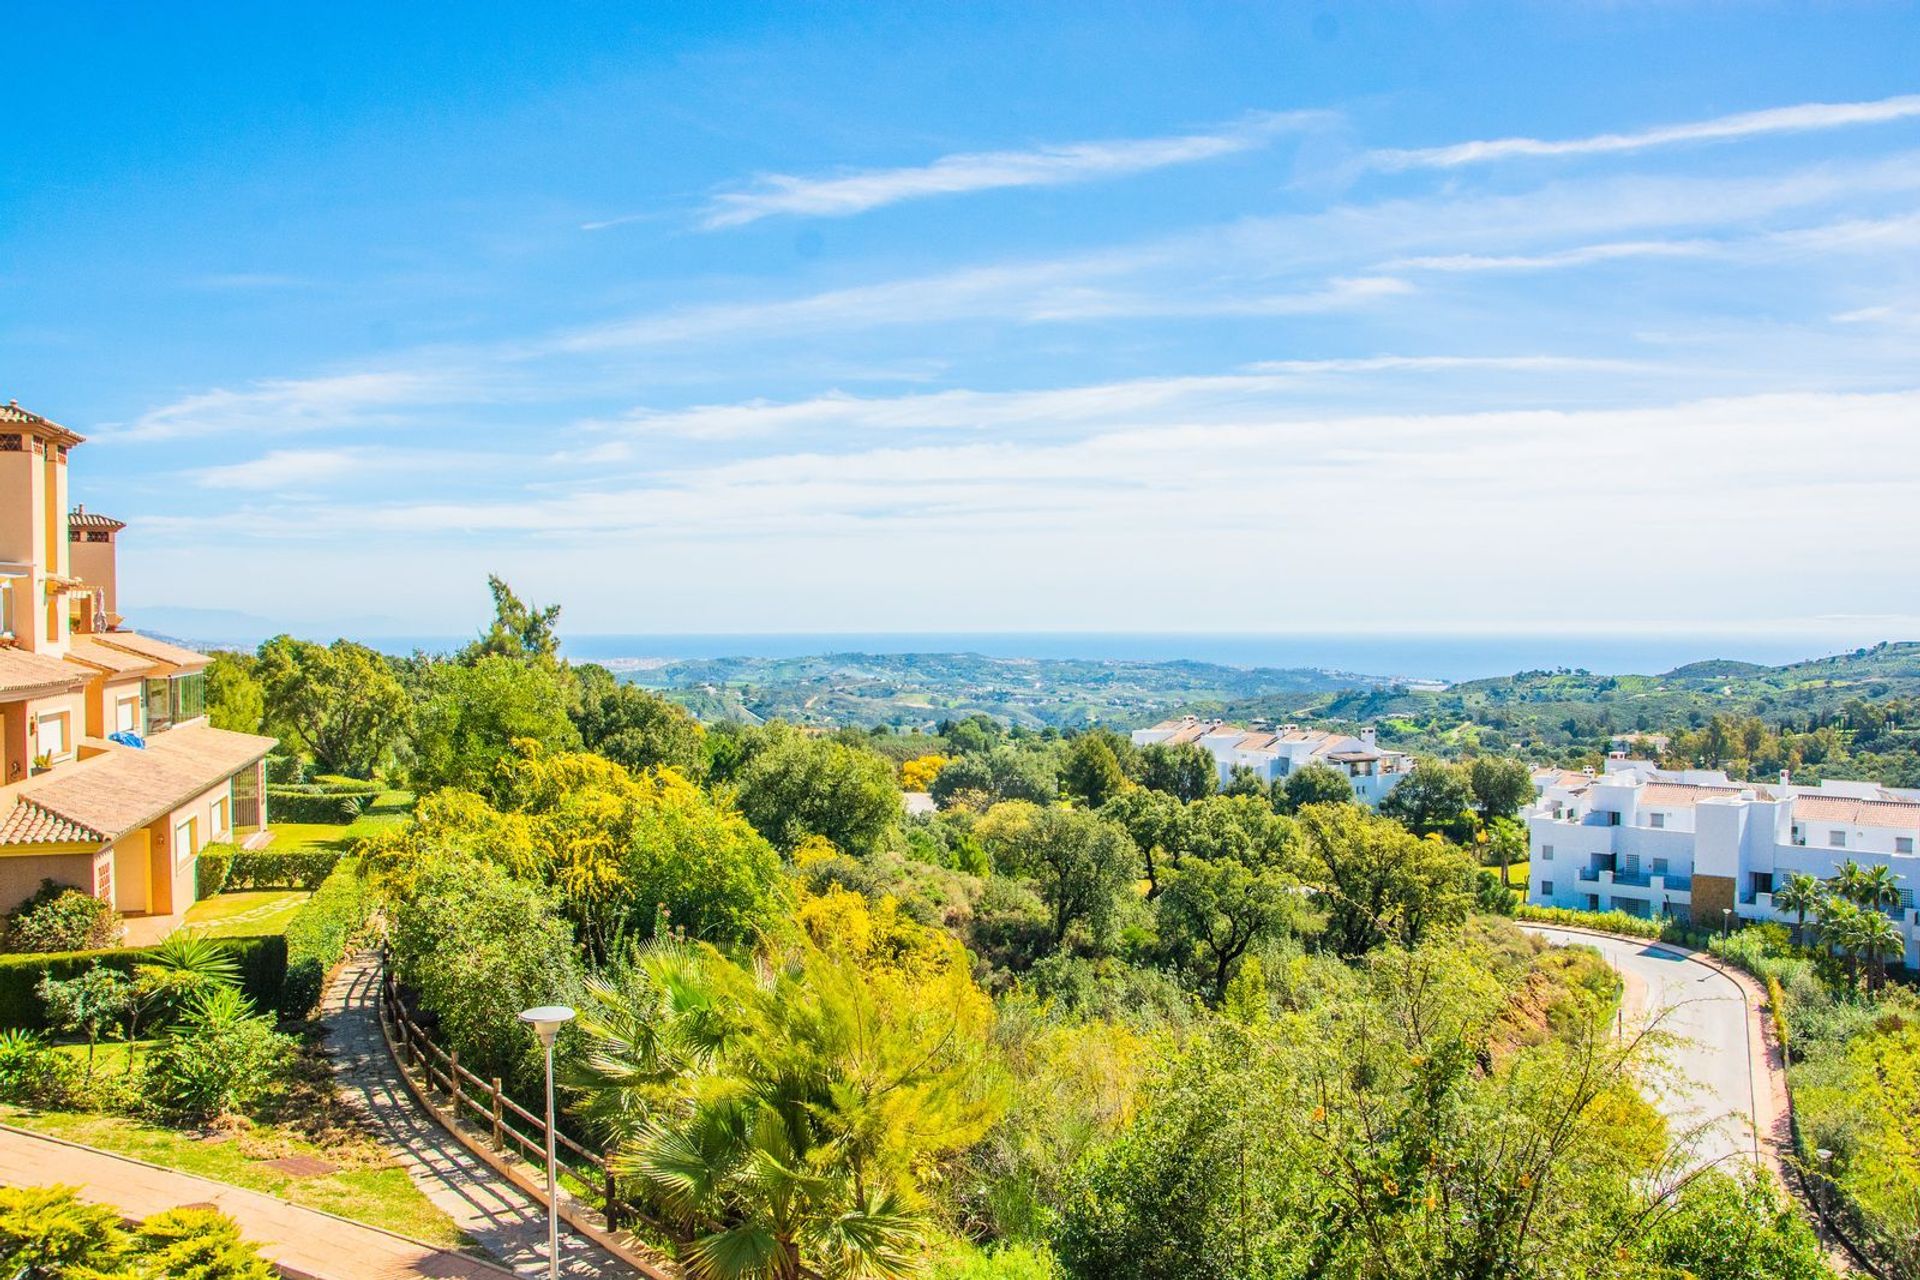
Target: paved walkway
481,1203
304,1242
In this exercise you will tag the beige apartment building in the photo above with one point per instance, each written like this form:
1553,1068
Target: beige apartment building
111,779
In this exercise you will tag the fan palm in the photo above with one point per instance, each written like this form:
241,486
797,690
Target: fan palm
1838,925
1802,894
781,1125
1878,888
1878,940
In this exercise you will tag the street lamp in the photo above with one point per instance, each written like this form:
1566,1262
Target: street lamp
1726,922
546,1022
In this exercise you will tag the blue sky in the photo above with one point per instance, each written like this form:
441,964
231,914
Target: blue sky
1017,317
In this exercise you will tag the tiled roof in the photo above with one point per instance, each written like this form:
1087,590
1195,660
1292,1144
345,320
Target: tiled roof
12,415
81,518
28,823
1256,742
1898,815
159,650
125,787
1680,795
1191,732
23,672
118,661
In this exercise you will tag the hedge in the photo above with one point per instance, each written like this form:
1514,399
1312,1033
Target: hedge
1604,921
318,935
263,975
281,869
306,804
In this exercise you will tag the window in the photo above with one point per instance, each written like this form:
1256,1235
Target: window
1613,817
189,696
1658,821
1546,888
1836,839
126,715
52,735
220,811
1546,853
1659,866
1903,844
183,845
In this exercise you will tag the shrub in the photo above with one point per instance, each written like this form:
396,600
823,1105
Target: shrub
202,1243
211,869
284,770
59,917
304,868
31,1071
1603,921
305,804
51,1231
262,960
218,1058
318,935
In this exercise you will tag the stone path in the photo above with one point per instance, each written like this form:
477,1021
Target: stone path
301,1242
481,1203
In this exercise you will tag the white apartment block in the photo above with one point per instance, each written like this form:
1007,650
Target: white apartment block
1274,754
1693,843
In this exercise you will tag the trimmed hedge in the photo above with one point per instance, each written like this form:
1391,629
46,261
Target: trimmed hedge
210,871
263,975
283,869
308,804
317,937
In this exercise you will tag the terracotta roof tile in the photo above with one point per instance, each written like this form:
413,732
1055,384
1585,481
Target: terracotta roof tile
23,672
124,787
1895,814
12,415
147,647
1681,795
81,518
28,823
118,661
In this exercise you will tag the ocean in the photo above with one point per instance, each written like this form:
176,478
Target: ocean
1451,656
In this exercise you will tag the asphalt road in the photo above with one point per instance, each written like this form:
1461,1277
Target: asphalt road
1711,1080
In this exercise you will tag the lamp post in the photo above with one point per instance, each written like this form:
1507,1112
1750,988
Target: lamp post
1726,922
546,1022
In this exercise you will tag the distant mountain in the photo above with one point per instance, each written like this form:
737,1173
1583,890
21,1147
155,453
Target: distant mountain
921,688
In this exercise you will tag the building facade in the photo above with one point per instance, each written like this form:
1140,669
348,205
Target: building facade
111,779
1695,844
1274,754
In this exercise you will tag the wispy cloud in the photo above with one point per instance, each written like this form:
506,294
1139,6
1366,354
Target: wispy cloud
302,404
841,195
1801,118
1579,256
281,469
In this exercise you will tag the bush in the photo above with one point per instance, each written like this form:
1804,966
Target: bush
31,1071
286,770
263,975
305,868
59,917
308,804
210,870
1603,921
219,1058
318,935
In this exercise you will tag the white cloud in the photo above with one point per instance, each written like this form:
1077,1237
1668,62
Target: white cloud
1801,118
282,469
301,404
1580,256
842,195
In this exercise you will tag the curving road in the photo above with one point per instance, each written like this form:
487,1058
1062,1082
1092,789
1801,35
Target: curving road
1715,1058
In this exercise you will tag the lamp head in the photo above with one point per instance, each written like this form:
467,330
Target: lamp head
547,1020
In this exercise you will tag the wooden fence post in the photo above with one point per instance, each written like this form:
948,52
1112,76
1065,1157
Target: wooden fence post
453,1080
613,1204
499,1138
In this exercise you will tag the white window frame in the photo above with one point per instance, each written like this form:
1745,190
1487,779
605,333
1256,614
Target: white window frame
219,817
1836,839
1903,844
64,719
125,721
184,849
1658,821
1546,853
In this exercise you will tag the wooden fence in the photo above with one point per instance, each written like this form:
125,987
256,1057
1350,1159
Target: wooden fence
510,1126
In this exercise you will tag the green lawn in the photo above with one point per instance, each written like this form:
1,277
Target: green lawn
289,836
246,913
1517,874
368,1187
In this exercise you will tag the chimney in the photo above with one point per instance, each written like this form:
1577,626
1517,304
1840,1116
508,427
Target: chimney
1586,770
1784,778
1370,737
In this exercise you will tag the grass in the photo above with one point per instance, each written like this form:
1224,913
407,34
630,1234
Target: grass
369,1186
289,836
246,912
1517,874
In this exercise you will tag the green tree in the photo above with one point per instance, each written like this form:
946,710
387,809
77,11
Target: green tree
1722,1227
1802,894
1434,798
972,735
799,786
1507,843
1006,772
1500,785
1214,910
518,630
475,713
1152,818
1378,882
1185,771
219,1057
1092,773
1245,780
635,727
783,1129
89,1002
235,697
339,703
1314,784
1080,862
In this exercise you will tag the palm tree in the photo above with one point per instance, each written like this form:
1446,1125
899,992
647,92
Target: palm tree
1848,882
1802,894
1838,925
1879,940
1878,888
780,1125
